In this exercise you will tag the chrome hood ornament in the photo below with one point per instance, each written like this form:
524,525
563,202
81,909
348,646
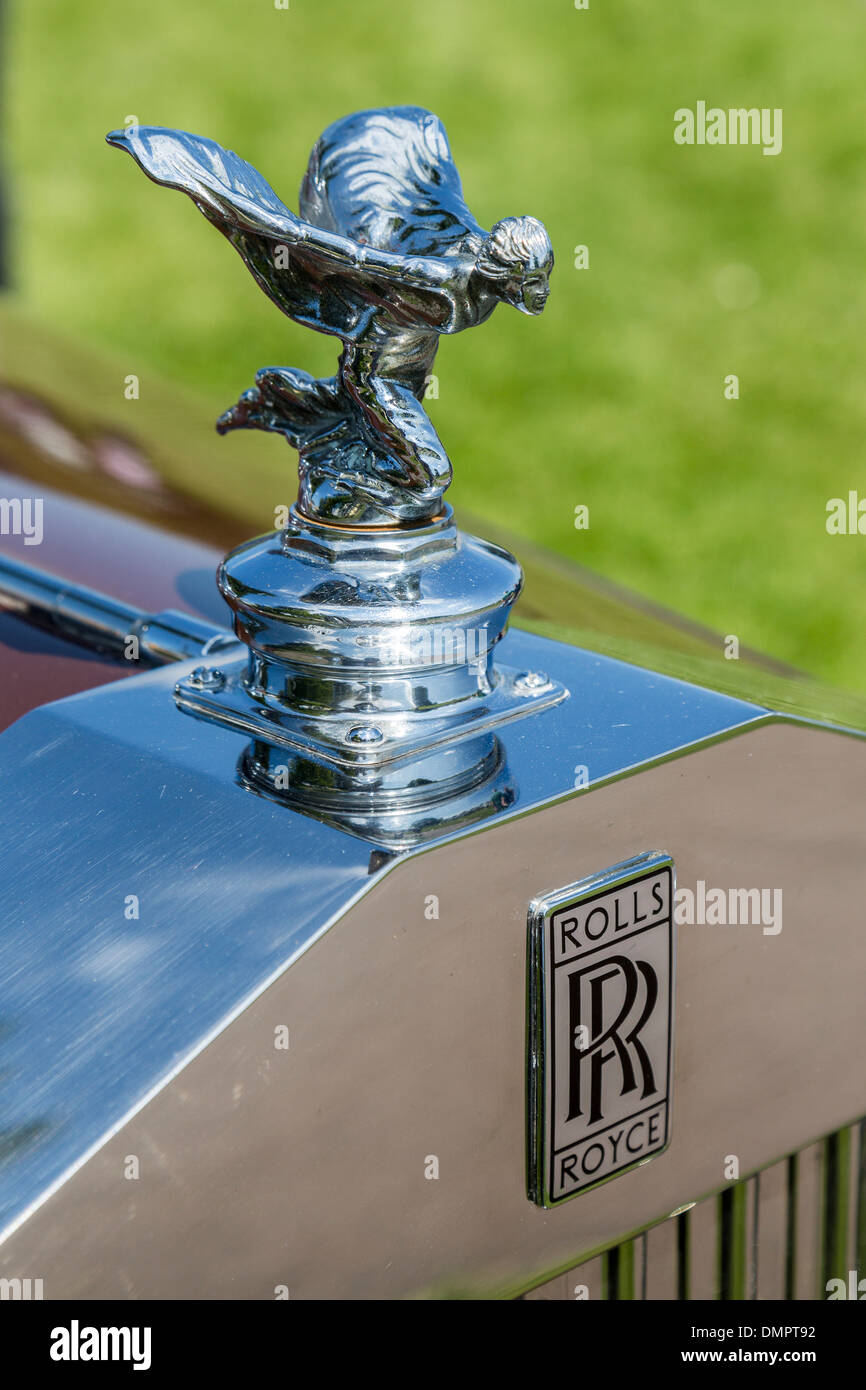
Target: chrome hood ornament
385,256
370,620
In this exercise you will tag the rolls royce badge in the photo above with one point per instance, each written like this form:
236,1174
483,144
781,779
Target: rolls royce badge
600,1020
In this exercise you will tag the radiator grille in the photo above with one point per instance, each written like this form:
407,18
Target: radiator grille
780,1234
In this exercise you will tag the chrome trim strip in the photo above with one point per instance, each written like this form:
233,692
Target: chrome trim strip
101,623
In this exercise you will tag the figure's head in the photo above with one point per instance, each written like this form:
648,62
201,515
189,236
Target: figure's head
517,259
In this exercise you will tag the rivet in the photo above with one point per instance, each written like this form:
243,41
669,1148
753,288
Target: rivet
206,678
532,680
364,733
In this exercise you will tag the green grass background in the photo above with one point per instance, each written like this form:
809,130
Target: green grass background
614,398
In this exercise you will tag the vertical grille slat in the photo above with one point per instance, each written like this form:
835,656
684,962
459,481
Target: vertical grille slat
860,1218
704,1263
853,1196
772,1234
611,1273
836,1160
781,1233
620,1268
753,1232
684,1254
808,1223
791,1171
662,1273
641,1245
732,1242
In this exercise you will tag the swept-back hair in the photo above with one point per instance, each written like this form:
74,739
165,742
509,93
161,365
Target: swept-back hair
514,243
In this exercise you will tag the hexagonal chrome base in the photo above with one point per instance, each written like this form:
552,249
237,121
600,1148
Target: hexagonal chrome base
354,741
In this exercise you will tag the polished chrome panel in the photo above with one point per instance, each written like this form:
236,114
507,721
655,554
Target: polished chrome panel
261,1168
109,810
103,624
119,794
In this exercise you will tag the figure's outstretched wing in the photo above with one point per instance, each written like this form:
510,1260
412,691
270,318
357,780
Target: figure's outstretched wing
387,178
224,186
330,282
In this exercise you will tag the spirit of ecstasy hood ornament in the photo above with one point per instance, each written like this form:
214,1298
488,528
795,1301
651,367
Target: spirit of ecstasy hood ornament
370,689
385,256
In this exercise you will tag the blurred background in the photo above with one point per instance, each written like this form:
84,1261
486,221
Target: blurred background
703,262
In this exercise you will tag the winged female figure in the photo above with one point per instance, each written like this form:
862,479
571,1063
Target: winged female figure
386,256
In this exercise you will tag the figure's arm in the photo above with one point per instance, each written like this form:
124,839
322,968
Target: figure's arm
329,248
231,193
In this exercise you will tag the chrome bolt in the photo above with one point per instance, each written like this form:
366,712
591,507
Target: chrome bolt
364,733
531,680
206,678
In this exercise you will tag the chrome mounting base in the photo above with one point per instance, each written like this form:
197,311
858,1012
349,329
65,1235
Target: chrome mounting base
369,688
